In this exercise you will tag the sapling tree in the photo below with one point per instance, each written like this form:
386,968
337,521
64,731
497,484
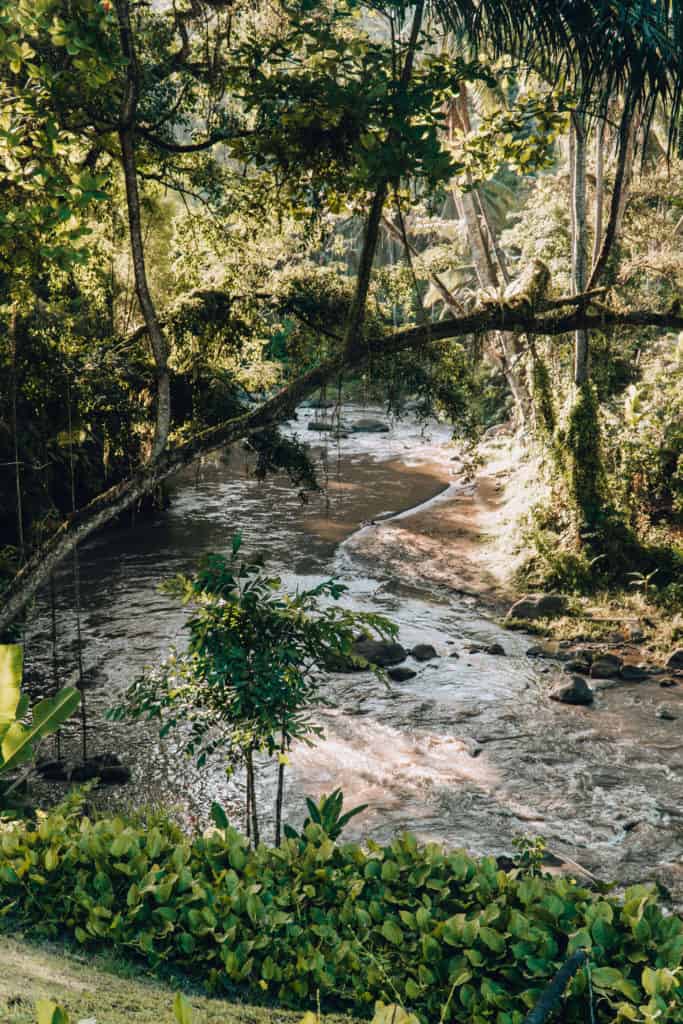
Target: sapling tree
249,681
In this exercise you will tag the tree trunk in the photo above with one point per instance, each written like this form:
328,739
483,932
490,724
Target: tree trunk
470,209
156,335
251,782
599,190
280,789
579,239
622,181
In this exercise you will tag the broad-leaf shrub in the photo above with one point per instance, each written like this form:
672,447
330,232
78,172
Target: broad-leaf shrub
436,930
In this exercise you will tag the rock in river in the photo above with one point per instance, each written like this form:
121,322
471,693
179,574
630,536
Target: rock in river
326,425
606,666
380,652
401,674
424,652
577,691
370,426
538,606
676,659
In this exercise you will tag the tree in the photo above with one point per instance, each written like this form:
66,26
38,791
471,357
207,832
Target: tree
187,81
250,679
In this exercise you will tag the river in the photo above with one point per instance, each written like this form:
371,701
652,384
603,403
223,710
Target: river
470,751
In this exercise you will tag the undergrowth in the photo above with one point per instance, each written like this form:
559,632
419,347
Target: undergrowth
451,937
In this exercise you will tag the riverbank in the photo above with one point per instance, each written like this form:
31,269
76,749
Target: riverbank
600,782
469,539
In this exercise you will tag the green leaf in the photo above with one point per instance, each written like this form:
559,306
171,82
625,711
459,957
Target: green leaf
392,933
48,1012
612,980
218,816
182,1009
11,669
48,715
493,939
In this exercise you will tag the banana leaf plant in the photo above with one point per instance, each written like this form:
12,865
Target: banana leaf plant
18,741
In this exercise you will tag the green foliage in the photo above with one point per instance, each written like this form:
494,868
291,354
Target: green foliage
328,814
249,680
402,923
582,450
17,740
647,461
48,1012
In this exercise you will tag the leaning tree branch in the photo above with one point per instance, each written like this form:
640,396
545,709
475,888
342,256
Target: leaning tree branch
516,317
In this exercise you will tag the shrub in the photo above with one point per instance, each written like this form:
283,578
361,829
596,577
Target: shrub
436,930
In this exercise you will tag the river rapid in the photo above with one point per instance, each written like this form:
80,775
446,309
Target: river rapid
470,751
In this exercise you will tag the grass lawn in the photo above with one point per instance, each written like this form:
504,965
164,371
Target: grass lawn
95,989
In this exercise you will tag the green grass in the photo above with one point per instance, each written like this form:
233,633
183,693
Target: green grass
108,991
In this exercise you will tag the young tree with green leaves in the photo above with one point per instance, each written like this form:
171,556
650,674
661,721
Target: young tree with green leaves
249,682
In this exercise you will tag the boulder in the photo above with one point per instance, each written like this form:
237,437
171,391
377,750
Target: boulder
606,666
576,691
326,425
578,665
540,651
667,711
454,654
370,426
383,653
54,770
633,673
495,648
401,673
667,683
538,606
424,652
675,659
105,767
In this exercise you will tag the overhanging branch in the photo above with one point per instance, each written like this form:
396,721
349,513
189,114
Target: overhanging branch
551,319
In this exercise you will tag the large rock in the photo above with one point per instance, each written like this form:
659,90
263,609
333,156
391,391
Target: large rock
370,426
326,425
676,659
540,651
401,674
495,648
633,673
576,691
538,606
424,652
383,653
577,665
606,666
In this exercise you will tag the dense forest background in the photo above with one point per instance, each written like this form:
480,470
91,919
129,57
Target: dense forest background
203,205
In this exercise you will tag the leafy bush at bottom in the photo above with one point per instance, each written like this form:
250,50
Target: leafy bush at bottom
445,935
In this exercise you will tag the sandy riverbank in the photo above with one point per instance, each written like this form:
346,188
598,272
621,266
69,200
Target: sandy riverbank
467,540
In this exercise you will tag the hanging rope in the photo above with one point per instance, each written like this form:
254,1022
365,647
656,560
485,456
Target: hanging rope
15,431
55,664
77,587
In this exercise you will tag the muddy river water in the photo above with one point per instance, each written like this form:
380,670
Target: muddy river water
470,751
